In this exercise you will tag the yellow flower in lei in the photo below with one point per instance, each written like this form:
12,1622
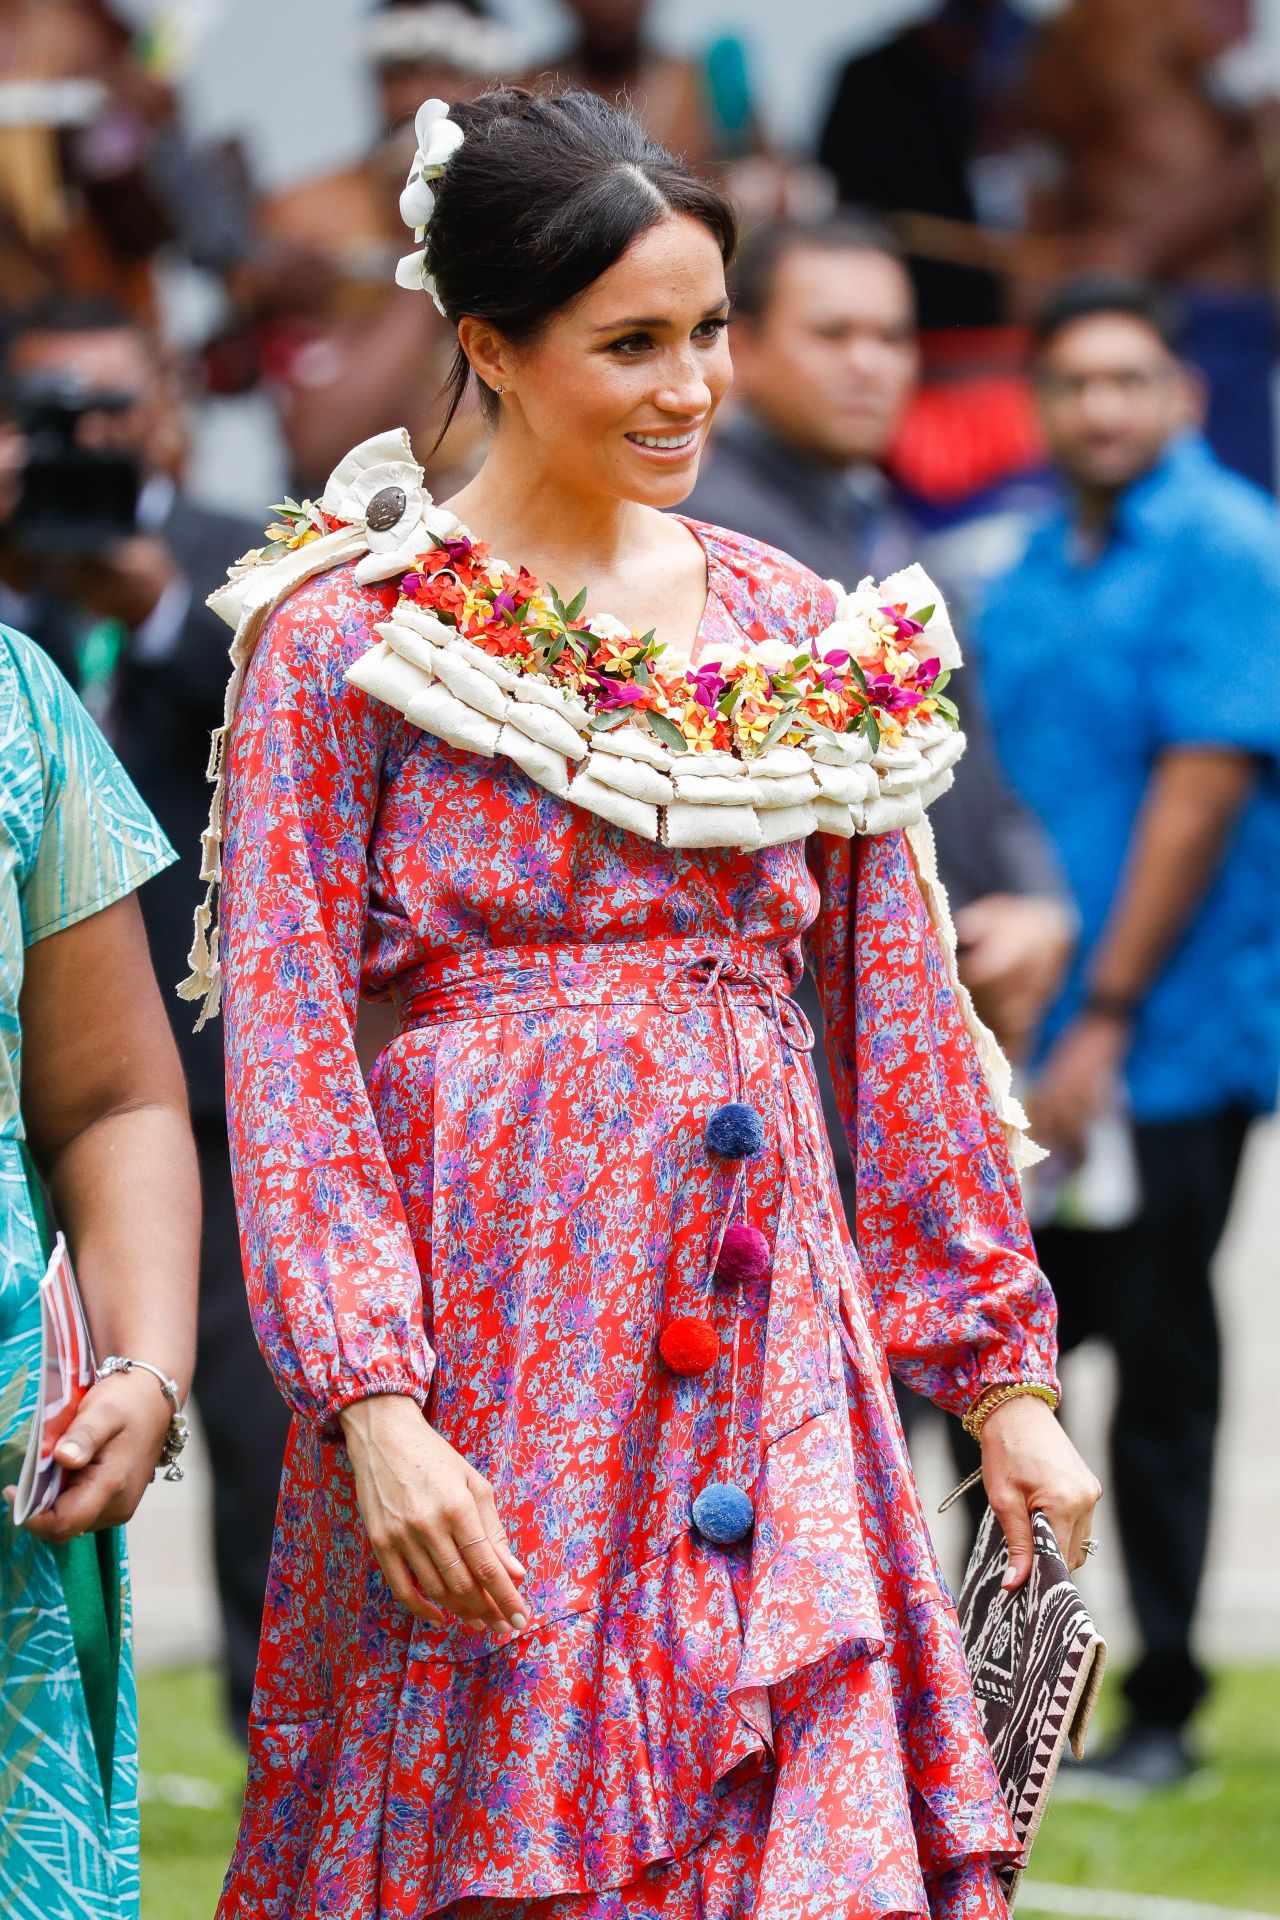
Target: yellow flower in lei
300,523
757,705
291,537
701,727
477,608
616,652
540,615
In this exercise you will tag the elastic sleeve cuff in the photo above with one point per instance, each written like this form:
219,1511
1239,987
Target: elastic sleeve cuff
349,1388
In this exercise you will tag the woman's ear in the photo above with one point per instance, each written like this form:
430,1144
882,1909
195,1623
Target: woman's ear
487,351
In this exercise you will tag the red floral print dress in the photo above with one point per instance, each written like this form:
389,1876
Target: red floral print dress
501,1226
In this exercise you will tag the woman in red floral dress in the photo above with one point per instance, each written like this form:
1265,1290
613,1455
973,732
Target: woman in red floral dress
601,1585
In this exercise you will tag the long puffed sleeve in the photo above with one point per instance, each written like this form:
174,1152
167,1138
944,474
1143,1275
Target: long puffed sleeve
940,1229
334,1286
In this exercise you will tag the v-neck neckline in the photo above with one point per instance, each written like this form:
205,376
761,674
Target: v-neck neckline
711,597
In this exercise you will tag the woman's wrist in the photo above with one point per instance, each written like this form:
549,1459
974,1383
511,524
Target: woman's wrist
377,1411
176,1431
1002,1393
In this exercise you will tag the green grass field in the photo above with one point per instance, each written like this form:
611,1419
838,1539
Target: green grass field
1216,1840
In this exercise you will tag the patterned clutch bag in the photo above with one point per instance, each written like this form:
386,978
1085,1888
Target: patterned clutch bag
1036,1660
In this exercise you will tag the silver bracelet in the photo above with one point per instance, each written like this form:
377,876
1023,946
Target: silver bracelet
176,1438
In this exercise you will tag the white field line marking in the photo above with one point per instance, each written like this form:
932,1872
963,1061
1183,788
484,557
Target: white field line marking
1103,1903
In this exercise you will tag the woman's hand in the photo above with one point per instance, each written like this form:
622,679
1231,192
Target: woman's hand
1028,1463
108,1456
432,1520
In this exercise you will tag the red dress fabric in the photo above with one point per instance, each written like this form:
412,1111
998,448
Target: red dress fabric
501,1225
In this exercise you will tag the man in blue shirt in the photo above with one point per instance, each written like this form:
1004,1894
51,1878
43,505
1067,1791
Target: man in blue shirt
1133,670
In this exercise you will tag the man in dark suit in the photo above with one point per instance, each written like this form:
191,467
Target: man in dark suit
114,588
825,362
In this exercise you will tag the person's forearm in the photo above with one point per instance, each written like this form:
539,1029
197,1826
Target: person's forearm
1192,804
126,1191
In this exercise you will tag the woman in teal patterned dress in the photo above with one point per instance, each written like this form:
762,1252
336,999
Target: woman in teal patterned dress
89,1077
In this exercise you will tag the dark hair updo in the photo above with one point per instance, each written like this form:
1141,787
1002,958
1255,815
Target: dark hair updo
545,193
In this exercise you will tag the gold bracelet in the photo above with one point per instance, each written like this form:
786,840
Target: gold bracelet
994,1397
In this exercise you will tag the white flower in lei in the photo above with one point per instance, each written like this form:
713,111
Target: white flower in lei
439,138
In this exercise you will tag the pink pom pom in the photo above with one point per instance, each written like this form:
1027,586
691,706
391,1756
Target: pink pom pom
744,1255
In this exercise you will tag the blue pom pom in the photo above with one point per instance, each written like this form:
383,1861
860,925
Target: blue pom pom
723,1514
734,1131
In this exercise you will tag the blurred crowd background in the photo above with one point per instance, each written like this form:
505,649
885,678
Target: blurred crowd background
1006,304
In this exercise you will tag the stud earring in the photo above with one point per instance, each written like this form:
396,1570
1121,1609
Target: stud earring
499,389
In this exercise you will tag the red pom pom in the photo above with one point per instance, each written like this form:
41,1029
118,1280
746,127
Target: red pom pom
744,1254
689,1345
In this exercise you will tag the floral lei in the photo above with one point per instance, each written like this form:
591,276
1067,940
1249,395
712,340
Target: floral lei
874,683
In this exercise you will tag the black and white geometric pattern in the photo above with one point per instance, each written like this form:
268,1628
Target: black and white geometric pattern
1036,1659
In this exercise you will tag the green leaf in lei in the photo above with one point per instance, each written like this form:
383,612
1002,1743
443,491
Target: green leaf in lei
603,722
925,614
806,723
949,711
668,732
777,727
941,681
574,609
871,727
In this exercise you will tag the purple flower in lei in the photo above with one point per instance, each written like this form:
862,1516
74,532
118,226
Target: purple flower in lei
889,696
892,698
907,629
611,694
708,684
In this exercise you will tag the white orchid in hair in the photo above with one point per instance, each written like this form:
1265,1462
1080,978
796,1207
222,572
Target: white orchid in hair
439,138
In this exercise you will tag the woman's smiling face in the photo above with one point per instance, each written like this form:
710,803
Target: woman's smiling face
620,388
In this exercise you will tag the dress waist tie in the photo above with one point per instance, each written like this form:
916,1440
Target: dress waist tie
523,982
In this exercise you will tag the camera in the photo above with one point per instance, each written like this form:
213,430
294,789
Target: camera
74,499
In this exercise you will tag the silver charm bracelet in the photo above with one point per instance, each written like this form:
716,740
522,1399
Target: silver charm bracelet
176,1438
